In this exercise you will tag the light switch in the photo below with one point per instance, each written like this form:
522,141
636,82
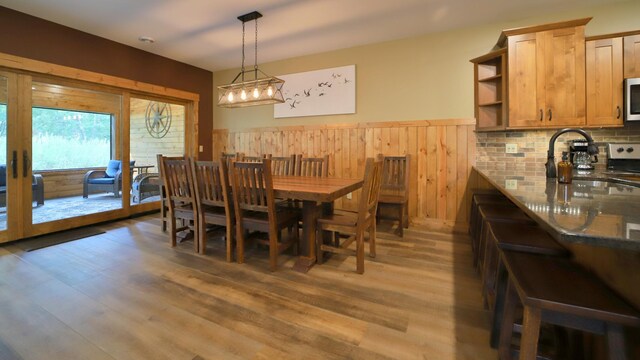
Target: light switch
511,184
200,148
511,148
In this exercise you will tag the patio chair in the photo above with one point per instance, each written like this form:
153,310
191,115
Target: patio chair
37,185
108,180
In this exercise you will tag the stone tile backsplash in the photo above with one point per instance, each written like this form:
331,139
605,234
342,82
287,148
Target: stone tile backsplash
532,149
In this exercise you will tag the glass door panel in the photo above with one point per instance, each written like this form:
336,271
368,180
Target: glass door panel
4,164
76,152
156,127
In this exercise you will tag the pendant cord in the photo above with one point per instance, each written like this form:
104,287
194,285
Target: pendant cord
242,51
255,63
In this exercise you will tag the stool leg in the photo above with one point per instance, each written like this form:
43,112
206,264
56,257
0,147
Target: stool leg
530,333
498,311
509,314
615,342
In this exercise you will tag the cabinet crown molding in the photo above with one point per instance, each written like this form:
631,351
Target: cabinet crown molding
502,40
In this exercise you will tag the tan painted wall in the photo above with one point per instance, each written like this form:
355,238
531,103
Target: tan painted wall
419,78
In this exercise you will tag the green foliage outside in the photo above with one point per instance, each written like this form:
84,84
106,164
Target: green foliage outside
65,139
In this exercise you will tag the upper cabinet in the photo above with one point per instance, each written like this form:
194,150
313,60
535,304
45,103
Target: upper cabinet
490,90
546,66
632,56
604,82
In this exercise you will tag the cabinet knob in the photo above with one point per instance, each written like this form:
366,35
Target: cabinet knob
618,112
541,114
550,114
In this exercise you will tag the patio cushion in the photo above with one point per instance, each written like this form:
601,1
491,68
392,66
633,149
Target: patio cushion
3,175
112,169
101,181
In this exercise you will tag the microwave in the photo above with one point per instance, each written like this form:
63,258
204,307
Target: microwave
632,99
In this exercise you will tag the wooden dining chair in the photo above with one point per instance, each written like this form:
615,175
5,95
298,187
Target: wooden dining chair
284,165
181,201
213,198
394,191
254,158
229,157
316,167
354,223
164,203
256,210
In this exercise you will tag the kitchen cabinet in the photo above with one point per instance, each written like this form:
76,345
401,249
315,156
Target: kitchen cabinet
490,90
547,76
632,56
604,82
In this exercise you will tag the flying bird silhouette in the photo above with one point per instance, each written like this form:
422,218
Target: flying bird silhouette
293,104
347,80
307,93
321,94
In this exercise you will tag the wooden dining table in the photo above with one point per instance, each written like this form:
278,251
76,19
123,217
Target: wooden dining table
317,195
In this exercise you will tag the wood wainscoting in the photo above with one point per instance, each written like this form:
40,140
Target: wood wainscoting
442,155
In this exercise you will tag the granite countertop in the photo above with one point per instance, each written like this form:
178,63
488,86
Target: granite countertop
597,208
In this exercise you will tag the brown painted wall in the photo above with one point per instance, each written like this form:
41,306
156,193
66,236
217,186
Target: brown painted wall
34,38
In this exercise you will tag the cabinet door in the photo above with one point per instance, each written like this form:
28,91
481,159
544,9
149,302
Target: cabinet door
632,56
526,86
604,82
564,77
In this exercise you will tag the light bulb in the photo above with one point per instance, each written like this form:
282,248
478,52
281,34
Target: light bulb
243,95
270,91
230,96
256,93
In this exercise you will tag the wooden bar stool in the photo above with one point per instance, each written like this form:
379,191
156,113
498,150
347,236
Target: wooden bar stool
480,198
555,291
512,237
499,213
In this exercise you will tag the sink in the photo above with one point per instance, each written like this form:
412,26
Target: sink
631,180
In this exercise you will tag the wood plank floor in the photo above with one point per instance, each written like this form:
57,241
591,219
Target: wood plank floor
127,294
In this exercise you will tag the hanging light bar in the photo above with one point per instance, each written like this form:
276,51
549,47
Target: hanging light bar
259,91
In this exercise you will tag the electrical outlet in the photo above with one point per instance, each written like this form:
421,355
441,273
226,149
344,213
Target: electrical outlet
200,148
511,148
511,184
349,196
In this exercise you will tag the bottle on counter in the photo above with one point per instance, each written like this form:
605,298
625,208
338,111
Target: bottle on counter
565,169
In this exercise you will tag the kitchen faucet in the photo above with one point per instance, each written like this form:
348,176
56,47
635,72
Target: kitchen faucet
550,166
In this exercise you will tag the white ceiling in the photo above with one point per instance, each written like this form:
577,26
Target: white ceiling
206,33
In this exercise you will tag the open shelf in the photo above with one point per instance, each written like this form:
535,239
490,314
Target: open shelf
490,89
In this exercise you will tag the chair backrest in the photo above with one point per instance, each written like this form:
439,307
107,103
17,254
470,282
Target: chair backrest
395,175
316,167
229,157
371,189
253,158
284,165
253,187
112,168
210,184
178,181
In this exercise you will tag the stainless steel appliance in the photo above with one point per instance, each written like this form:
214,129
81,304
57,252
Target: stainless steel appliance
580,157
632,99
623,157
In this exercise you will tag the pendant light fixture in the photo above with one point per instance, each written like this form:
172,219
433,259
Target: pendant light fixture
259,91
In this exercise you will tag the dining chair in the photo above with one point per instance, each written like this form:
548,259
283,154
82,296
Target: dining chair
181,201
394,191
254,158
164,203
255,209
352,223
229,157
213,198
284,165
316,167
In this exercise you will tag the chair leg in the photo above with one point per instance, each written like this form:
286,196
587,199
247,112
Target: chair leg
202,235
372,240
360,254
401,220
506,331
405,207
319,254
530,333
273,250
615,342
229,241
172,230
239,243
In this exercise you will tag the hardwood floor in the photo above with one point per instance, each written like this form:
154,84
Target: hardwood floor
126,294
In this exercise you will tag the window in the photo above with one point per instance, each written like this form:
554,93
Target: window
65,139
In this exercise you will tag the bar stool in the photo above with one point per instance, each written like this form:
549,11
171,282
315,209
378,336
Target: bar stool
512,237
499,213
483,198
555,291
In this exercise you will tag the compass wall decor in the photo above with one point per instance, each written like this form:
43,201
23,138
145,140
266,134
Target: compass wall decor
158,119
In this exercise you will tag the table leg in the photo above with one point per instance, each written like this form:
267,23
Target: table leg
310,213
